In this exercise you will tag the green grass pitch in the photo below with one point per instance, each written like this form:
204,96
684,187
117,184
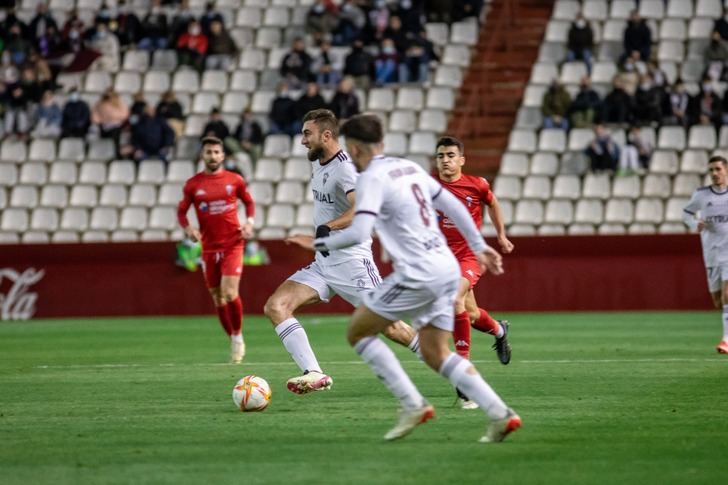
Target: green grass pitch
605,398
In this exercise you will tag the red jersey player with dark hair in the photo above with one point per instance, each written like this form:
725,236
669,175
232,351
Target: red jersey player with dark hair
215,192
473,192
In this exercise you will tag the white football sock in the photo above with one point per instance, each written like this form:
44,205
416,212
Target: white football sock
237,338
725,323
295,341
458,370
414,344
385,365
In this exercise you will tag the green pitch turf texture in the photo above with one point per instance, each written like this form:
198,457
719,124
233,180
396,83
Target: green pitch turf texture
605,398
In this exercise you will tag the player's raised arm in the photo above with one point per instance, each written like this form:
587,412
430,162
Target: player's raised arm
182,208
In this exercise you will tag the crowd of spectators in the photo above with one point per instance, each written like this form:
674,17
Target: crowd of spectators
640,95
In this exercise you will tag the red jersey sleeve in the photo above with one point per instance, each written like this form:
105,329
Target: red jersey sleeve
184,205
486,195
247,199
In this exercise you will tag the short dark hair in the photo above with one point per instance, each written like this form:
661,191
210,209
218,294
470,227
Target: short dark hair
718,158
366,128
450,141
211,140
325,119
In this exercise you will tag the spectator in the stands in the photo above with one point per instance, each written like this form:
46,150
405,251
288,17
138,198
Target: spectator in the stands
107,45
42,20
635,157
208,17
296,65
104,14
171,110
32,86
192,47
724,109
249,135
386,67
359,64
311,99
715,56
586,105
345,102
17,45
658,75
721,25
416,63
283,112
618,104
630,71
411,13
215,126
49,44
437,10
324,66
183,17
705,107
128,27
581,41
151,137
555,106
637,37
352,20
648,101
462,9
396,32
603,151
138,105
221,48
155,29
17,111
48,115
378,21
109,114
677,101
76,116
321,19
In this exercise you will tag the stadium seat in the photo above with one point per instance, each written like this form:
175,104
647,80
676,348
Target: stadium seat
127,235
249,17
581,229
552,140
186,81
268,37
163,218
122,172
437,33
567,187
544,164
85,196
133,219
664,162
620,9
33,173
543,73
403,121
127,82
280,215
522,141
97,82
35,237
277,146
572,72
450,76
272,233
65,237
8,174
112,196
304,215
169,194
596,186
262,101
514,164
276,17
685,184
670,51
579,138
559,212
164,60
268,169
682,9
627,187
395,144
702,137
551,230
422,143
507,188
14,219
245,81
157,82
42,150
529,118
252,59
657,186
94,236
465,32
13,151
440,98
54,196
537,187
671,138
673,29
529,212
102,149
289,192
72,149
408,98
152,235
151,172
214,81
74,219
611,229
603,72
456,55
566,10
693,161
641,228
143,195
619,211
557,31
649,211
203,103
522,230
589,211
551,52
24,196
674,209
672,228
381,99
708,8
44,219
652,9
136,60
262,192
297,169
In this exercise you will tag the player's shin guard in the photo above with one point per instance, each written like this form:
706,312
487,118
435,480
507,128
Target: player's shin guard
385,365
463,376
461,335
485,323
235,312
295,341
224,315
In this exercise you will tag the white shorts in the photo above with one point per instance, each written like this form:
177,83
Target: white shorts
420,303
716,276
349,280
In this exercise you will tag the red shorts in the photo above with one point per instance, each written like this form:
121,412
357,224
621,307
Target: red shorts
226,262
470,269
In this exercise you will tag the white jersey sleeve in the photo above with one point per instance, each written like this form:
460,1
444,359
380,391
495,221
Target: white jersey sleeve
690,212
347,177
710,206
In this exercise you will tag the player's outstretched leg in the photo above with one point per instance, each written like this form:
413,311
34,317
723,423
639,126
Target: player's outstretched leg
499,329
415,410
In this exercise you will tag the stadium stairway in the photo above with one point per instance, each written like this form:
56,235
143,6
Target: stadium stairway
489,98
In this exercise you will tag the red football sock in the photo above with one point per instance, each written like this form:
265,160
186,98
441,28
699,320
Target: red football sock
485,323
461,335
235,311
224,315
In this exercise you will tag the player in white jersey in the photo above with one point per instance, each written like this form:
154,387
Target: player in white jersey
398,199
707,212
347,272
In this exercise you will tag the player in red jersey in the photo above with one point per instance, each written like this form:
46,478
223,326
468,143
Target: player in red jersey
473,192
215,193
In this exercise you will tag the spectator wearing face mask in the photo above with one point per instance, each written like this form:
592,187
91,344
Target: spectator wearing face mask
48,117
17,45
715,56
705,107
345,103
108,46
76,117
296,65
378,21
128,27
581,42
386,67
635,157
359,64
321,19
637,37
618,104
221,48
648,101
283,112
192,47
325,66
352,20
155,30
603,151
677,100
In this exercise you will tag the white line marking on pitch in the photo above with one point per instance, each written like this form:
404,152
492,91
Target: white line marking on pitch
359,362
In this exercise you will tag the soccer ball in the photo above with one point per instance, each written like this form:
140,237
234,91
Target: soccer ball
251,393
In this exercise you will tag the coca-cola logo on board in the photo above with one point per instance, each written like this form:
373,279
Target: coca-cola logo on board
16,301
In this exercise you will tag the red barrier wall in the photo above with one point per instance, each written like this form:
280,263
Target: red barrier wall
543,274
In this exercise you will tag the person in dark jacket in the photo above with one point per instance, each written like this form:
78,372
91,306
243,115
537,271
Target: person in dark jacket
721,25
216,126
221,48
345,103
637,37
310,100
296,65
155,29
76,117
618,105
249,135
359,64
581,41
584,110
283,112
151,137
705,107
171,110
648,101
42,20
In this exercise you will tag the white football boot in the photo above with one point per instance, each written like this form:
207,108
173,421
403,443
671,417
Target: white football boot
237,351
498,429
310,381
408,420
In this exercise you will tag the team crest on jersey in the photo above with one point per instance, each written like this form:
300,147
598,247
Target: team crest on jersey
710,204
203,207
469,200
326,177
360,283
229,189
200,192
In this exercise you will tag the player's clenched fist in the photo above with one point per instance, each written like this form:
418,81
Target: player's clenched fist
491,261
